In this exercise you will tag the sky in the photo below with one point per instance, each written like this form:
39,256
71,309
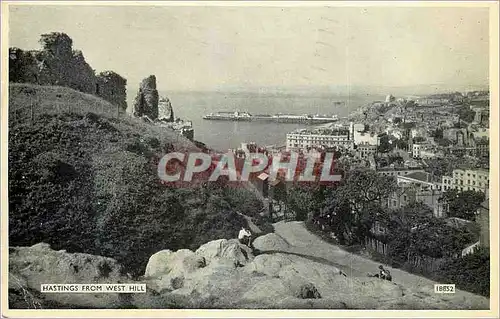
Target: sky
224,47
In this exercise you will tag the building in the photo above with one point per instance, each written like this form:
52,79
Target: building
390,98
418,132
303,139
466,180
459,136
418,187
417,149
481,132
422,180
483,148
462,151
478,116
361,136
430,101
429,153
397,171
365,151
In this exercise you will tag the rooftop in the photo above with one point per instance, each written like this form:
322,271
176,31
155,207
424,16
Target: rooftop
321,131
421,176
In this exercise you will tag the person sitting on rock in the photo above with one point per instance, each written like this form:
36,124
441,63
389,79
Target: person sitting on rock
384,273
244,236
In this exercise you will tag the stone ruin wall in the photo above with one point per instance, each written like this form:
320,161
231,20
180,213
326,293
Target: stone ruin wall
58,64
112,87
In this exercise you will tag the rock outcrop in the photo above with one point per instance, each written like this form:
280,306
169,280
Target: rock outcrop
269,242
29,267
220,274
146,101
58,64
165,110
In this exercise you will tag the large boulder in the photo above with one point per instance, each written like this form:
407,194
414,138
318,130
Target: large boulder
231,249
166,261
30,267
269,242
203,271
166,270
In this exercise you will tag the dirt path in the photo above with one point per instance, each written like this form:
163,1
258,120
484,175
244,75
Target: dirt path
304,242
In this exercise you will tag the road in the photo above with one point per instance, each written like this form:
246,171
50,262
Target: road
305,243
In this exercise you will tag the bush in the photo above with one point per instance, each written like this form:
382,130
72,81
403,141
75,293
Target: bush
471,272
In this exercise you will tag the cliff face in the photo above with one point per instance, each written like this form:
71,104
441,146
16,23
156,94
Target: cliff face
146,101
58,64
165,110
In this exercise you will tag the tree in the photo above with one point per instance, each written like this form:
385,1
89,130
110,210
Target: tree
395,159
413,231
401,144
350,207
437,134
439,166
443,142
463,204
466,114
397,120
385,146
304,201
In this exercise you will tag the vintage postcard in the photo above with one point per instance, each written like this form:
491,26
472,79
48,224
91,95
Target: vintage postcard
249,159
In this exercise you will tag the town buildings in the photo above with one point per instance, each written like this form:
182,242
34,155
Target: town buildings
305,138
467,179
365,151
418,187
360,134
398,171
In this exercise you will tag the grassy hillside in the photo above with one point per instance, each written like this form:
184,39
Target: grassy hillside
84,178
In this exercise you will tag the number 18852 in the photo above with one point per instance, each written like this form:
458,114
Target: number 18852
444,288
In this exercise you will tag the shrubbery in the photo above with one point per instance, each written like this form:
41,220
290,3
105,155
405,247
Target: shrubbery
87,182
471,272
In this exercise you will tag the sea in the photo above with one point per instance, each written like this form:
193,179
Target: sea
223,135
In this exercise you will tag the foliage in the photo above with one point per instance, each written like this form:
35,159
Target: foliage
350,208
22,66
396,159
466,114
471,272
418,139
401,144
413,230
243,200
305,200
463,204
87,182
437,133
385,146
443,142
